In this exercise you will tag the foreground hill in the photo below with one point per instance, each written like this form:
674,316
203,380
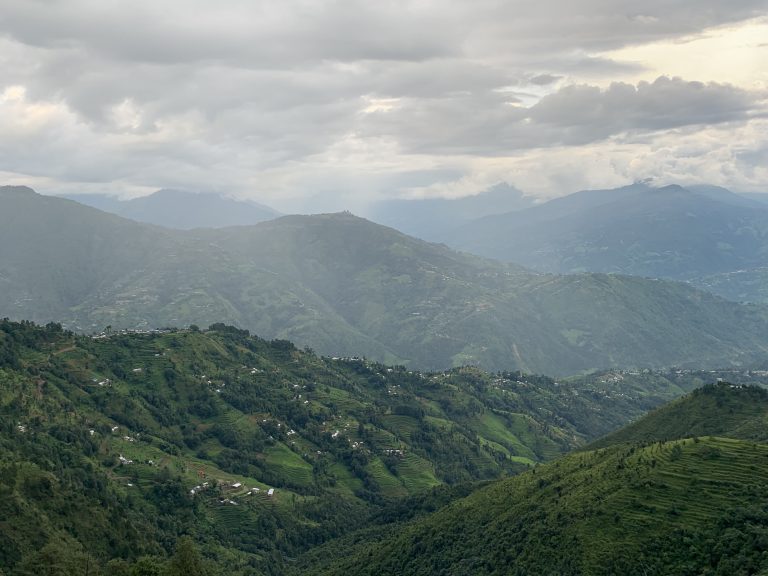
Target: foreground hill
113,447
346,286
670,232
182,210
685,507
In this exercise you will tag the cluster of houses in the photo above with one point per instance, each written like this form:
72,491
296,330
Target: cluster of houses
232,486
109,333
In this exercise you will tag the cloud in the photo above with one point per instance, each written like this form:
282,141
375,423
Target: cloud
295,98
491,123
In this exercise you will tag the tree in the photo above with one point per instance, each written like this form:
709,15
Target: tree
187,561
148,566
59,558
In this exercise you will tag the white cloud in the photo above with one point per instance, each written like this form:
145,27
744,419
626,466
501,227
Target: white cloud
350,100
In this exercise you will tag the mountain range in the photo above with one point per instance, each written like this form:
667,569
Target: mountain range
669,232
181,209
345,286
435,219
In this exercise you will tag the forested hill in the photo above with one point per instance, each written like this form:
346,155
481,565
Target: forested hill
346,286
691,506
103,441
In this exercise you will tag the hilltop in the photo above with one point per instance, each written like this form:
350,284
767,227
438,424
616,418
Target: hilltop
345,286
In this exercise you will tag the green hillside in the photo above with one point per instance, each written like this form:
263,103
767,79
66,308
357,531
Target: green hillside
103,439
345,286
689,506
730,410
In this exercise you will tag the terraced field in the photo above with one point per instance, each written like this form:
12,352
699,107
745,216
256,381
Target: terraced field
660,508
289,465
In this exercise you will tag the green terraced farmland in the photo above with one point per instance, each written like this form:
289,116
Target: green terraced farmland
289,466
416,473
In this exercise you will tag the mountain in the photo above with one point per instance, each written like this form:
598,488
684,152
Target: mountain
690,506
670,232
345,286
435,218
112,447
761,197
182,210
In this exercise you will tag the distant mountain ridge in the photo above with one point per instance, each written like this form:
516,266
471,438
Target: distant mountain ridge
670,232
346,286
434,218
181,210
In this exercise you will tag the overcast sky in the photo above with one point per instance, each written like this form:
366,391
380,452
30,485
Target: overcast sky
314,104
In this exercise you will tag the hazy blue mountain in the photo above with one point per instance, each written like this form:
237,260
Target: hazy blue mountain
724,195
182,210
748,285
435,218
346,286
761,197
669,232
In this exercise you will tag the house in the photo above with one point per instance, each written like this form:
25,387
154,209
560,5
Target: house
270,492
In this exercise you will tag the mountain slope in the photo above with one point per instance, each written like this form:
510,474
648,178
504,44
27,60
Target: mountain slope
687,507
722,409
182,210
669,232
747,285
114,446
345,286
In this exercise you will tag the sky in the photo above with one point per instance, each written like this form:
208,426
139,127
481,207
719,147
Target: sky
311,105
